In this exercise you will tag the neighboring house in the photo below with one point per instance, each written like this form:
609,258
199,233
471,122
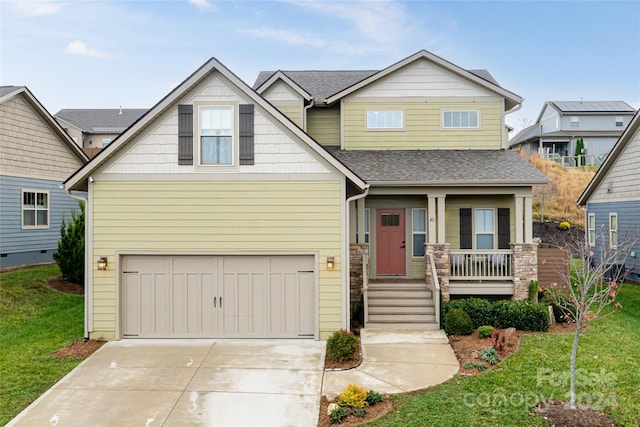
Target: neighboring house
219,216
36,156
561,123
94,129
612,199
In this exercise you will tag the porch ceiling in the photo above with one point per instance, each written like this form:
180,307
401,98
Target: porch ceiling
441,167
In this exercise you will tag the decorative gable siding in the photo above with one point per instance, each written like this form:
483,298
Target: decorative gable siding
286,100
621,182
28,145
156,150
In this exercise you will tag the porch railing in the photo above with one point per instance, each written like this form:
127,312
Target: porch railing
365,286
436,288
467,264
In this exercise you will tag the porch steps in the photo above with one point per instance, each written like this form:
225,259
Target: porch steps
400,305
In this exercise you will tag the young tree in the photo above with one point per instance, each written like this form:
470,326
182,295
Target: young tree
580,151
590,287
70,254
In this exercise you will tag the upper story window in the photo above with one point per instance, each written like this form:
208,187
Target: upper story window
105,142
385,119
460,119
35,209
619,121
591,228
575,121
216,135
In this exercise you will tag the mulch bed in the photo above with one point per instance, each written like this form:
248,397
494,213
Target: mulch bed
558,414
79,349
62,285
373,412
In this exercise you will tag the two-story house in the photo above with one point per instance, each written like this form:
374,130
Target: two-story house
36,156
561,123
232,212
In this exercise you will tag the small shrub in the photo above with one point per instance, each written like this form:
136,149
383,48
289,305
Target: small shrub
374,397
70,253
478,309
360,412
458,322
565,225
341,346
499,339
353,396
472,365
534,288
521,315
485,331
560,315
490,355
339,414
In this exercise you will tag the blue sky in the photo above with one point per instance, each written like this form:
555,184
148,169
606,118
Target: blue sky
103,54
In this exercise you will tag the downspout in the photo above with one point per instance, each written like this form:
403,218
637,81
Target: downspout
87,263
304,113
345,256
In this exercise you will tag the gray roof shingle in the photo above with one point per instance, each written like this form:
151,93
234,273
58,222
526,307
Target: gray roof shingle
101,120
441,167
593,106
6,90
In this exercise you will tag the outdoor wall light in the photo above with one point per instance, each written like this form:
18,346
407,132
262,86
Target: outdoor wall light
102,263
331,262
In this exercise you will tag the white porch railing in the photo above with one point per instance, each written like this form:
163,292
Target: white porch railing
467,264
436,288
365,285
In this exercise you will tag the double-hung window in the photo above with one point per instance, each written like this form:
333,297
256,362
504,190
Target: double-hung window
385,119
216,135
35,209
453,119
419,231
591,229
485,228
575,122
613,230
619,122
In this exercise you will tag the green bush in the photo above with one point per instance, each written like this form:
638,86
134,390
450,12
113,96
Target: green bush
472,365
490,355
353,396
565,225
70,253
534,287
374,397
485,331
342,345
339,414
359,412
521,315
478,309
458,322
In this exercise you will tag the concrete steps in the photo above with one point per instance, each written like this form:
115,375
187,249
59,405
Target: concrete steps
393,305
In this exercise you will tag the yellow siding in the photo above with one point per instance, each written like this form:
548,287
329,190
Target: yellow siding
452,213
417,269
216,216
323,124
422,127
292,111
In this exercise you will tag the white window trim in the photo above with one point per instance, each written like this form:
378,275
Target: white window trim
591,232
448,110
619,119
384,129
413,232
576,121
235,134
475,228
367,230
106,141
35,227
612,215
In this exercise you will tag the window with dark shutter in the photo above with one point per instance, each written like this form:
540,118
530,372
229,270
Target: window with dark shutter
504,228
466,230
246,134
185,134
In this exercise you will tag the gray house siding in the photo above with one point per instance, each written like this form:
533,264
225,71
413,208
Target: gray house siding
628,229
30,246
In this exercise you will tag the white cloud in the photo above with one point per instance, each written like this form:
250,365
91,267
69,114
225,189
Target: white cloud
203,4
36,8
81,48
286,36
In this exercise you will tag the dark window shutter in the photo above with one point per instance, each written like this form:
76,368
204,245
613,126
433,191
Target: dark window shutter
466,230
504,228
246,134
185,134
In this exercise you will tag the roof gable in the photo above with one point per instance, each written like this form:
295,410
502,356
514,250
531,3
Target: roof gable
171,99
280,76
101,120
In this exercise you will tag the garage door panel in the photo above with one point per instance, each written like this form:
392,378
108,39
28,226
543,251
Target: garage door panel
307,303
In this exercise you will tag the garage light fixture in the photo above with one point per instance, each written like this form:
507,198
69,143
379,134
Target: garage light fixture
102,263
331,262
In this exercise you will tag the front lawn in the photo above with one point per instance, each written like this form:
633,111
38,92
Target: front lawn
609,369
35,320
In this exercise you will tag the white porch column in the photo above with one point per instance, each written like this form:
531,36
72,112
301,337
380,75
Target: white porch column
431,220
441,222
360,212
518,217
528,219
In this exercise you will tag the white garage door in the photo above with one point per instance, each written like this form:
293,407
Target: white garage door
218,297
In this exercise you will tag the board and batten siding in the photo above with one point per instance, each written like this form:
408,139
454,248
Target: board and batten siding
323,124
28,145
24,246
422,126
224,216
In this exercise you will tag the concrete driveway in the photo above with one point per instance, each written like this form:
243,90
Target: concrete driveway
152,383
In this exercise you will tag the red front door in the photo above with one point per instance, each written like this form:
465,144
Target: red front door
390,242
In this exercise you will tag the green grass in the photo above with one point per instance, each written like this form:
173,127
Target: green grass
35,320
609,355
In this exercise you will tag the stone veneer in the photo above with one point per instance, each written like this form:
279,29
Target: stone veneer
440,252
356,252
524,265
